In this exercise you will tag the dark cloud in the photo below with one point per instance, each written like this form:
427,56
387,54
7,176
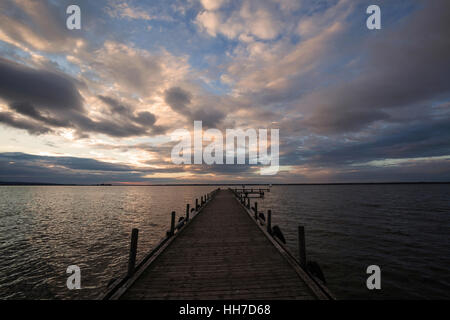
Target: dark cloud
144,118
51,99
405,65
115,106
180,101
21,167
32,127
53,91
430,139
209,116
27,109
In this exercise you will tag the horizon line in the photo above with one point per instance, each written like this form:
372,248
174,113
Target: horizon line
17,183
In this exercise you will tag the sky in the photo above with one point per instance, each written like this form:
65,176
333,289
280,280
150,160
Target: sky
99,104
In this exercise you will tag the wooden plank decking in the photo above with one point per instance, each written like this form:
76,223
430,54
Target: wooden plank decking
221,254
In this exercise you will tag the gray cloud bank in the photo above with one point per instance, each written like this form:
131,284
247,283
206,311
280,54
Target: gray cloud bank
46,100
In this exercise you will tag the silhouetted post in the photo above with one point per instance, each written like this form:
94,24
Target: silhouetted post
302,246
248,203
196,204
187,212
172,224
269,221
133,251
256,210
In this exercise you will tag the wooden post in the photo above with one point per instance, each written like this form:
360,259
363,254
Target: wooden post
256,210
248,203
302,246
172,224
269,221
187,212
133,251
196,204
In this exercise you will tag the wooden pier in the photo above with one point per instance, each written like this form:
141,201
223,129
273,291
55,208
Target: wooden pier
220,252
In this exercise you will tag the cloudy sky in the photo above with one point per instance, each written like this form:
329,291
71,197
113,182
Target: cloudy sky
97,105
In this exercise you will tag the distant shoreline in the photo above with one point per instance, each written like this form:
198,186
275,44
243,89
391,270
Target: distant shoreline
2,183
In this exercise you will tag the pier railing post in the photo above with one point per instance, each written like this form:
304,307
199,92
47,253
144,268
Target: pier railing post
196,204
269,221
133,251
302,246
172,224
256,210
187,212
248,203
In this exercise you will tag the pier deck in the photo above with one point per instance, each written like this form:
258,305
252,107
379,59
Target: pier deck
221,254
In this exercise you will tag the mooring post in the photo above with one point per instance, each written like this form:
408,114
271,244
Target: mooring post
187,212
172,224
269,221
302,246
133,251
196,204
256,210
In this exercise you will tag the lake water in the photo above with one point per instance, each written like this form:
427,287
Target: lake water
404,229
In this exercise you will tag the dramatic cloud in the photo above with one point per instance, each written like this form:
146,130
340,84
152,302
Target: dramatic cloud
53,91
351,104
54,100
32,127
406,66
180,101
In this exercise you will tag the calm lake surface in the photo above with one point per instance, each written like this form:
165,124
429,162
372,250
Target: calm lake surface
404,229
